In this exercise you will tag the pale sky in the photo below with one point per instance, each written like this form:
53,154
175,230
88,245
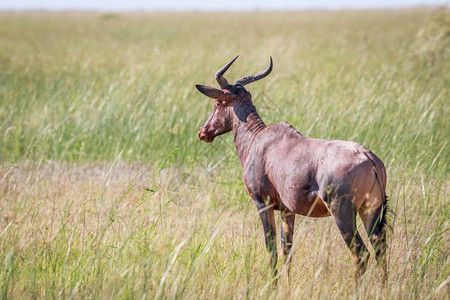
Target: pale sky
127,5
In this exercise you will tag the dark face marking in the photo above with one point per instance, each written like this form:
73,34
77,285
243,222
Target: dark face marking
219,122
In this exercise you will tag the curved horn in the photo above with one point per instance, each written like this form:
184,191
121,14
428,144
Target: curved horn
219,74
249,79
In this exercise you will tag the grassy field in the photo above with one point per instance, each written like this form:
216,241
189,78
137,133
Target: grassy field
105,191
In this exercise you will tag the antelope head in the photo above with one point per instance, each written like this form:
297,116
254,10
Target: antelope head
221,119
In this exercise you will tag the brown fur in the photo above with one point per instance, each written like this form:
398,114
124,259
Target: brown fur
283,170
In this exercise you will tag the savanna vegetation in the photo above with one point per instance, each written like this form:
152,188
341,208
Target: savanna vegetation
105,191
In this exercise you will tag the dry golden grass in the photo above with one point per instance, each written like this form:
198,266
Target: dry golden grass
98,231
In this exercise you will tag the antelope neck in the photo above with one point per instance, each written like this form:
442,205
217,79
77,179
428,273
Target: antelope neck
246,125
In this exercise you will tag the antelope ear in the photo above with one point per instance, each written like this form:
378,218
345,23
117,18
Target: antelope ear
214,93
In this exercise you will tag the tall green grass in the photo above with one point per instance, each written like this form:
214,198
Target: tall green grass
105,191
86,87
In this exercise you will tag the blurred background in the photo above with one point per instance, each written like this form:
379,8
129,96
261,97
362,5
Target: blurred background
212,5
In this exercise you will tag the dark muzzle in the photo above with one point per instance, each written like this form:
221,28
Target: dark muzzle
203,135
